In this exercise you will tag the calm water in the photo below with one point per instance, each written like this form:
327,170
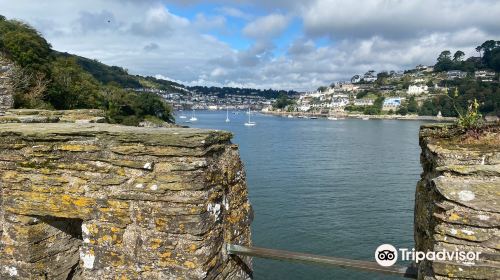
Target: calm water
337,188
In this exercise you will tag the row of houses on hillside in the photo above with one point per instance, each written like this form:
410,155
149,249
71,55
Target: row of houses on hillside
483,75
338,101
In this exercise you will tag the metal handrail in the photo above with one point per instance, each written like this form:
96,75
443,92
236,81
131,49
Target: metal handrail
407,272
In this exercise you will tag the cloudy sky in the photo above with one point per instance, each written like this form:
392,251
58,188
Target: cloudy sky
288,44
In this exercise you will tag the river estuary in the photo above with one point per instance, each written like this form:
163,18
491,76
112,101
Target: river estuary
337,188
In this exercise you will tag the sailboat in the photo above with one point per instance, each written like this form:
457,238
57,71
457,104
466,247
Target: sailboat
182,116
227,115
249,123
193,117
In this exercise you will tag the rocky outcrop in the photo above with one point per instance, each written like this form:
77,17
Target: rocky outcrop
6,95
457,202
101,201
49,116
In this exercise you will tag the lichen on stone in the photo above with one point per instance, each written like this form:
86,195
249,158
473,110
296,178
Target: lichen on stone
101,201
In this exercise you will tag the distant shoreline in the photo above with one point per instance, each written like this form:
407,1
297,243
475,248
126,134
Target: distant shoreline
361,116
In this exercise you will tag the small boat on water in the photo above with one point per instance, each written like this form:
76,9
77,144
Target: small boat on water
290,116
365,118
313,118
332,118
227,115
182,117
250,122
193,117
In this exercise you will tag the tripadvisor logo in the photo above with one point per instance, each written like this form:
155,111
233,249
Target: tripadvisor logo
387,255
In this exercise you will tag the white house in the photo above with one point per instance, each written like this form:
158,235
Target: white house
340,102
304,108
363,102
485,76
424,68
456,74
369,78
417,89
346,87
392,103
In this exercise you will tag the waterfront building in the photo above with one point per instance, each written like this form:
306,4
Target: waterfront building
392,103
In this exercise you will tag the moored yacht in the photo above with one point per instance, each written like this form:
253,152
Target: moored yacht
250,122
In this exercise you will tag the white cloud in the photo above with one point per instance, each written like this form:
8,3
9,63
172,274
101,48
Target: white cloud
158,21
266,26
234,12
396,18
147,38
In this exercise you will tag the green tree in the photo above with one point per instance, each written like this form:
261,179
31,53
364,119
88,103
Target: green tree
376,108
48,79
412,105
458,56
24,45
402,110
322,89
283,101
444,62
71,87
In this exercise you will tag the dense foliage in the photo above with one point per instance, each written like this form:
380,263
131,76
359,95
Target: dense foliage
469,89
283,101
490,59
222,92
376,108
45,78
486,94
105,74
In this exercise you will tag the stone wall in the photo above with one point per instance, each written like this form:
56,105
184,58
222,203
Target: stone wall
100,201
6,98
457,202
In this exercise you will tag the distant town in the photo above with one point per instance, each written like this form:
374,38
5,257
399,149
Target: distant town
397,88
445,89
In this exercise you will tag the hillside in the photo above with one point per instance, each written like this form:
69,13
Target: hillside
47,79
225,91
115,75
448,88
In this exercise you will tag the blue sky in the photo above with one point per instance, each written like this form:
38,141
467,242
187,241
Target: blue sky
286,44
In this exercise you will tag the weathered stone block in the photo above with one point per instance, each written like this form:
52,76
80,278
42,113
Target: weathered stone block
100,201
457,201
